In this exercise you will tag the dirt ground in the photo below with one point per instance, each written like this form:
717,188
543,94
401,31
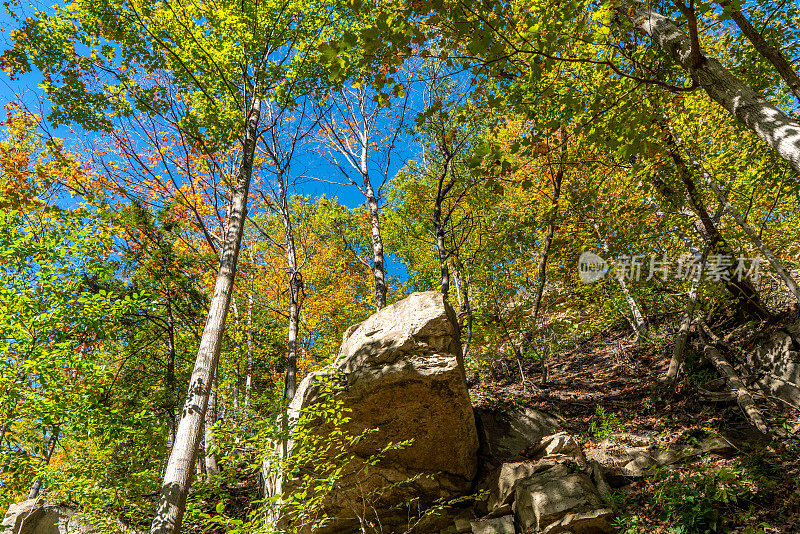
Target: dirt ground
611,384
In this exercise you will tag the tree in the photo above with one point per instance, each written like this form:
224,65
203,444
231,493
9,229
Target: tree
361,134
770,124
222,83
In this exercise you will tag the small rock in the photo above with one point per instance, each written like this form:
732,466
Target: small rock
594,522
462,525
548,497
499,525
499,511
510,476
624,457
557,447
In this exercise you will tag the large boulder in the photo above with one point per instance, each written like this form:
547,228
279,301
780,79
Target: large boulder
400,372
37,516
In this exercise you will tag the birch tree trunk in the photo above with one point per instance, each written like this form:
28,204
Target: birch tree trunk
442,252
169,379
440,223
237,358
743,395
378,270
465,306
353,144
248,383
638,319
742,290
769,123
177,478
294,293
678,352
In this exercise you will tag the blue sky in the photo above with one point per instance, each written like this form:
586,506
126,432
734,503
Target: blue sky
25,89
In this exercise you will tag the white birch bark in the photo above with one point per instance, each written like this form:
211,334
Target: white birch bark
769,123
353,144
638,319
683,332
248,383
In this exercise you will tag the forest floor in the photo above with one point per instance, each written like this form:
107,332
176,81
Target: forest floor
610,385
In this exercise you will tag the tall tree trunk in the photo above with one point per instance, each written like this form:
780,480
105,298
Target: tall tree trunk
237,358
737,386
638,319
37,484
442,252
248,383
439,223
212,467
295,281
772,54
274,480
378,269
769,123
638,323
742,290
465,305
236,381
177,478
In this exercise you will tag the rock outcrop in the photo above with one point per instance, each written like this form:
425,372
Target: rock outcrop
625,456
506,434
400,376
555,490
37,516
775,364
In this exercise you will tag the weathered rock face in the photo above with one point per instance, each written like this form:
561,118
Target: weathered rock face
555,498
555,490
506,434
401,372
36,516
776,363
